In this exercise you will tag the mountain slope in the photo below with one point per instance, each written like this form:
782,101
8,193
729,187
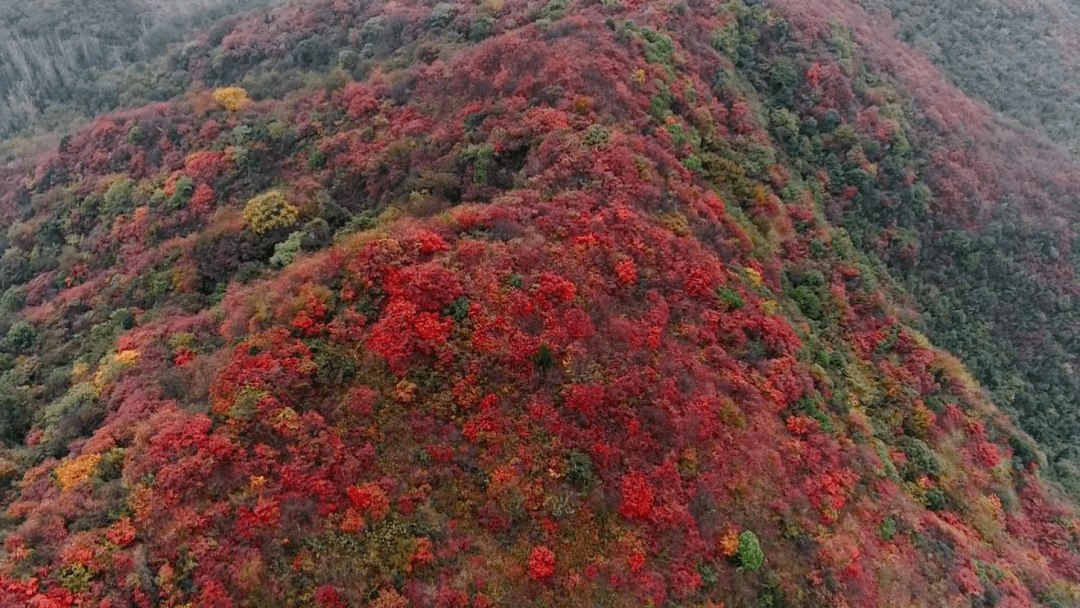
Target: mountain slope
987,249
63,61
545,307
1020,57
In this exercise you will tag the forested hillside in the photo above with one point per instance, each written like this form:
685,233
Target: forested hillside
1020,56
63,61
541,303
993,269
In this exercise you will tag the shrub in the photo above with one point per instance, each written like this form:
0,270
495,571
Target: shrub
268,211
73,472
233,98
76,578
316,235
185,188
285,252
481,27
66,418
579,469
544,358
20,337
316,160
693,163
246,404
935,499
135,135
14,268
730,298
458,309
347,59
118,196
541,563
553,10
921,459
888,528
750,554
658,47
808,302
783,79
111,367
14,405
596,136
1026,452
442,14
13,298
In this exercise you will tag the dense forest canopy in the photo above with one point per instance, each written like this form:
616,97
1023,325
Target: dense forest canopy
61,61
531,303
1020,57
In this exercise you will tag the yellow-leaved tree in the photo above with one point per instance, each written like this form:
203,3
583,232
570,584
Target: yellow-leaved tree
233,98
268,211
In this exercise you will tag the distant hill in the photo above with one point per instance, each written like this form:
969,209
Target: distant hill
64,60
1022,58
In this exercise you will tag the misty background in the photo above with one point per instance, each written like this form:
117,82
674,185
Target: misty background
1021,57
65,60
